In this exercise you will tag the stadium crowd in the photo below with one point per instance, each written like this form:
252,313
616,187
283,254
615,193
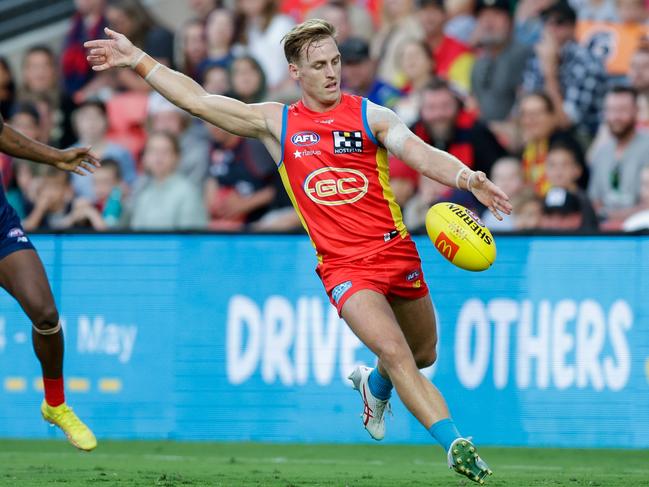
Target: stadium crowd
549,97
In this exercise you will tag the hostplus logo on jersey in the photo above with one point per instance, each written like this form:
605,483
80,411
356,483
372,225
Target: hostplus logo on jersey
347,142
303,139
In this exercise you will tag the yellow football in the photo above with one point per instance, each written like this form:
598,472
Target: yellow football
460,236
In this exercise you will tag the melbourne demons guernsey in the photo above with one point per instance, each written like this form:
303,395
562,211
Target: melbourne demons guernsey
336,174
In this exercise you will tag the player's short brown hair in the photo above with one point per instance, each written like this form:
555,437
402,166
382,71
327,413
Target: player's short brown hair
302,36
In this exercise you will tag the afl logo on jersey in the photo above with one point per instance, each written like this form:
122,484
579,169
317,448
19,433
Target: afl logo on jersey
333,186
305,138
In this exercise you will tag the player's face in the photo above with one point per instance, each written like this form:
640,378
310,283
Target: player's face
318,71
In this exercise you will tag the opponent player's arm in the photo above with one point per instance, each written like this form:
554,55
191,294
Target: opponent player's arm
436,164
224,112
18,145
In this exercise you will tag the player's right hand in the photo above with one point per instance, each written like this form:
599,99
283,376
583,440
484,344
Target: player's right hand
116,51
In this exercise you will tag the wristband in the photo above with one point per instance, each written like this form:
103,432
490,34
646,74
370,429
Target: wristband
137,60
153,71
458,176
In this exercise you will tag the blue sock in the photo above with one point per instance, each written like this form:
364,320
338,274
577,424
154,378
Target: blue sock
380,387
444,432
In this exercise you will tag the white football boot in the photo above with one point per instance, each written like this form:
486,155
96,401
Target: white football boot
373,408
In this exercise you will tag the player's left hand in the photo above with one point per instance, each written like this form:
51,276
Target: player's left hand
77,160
489,194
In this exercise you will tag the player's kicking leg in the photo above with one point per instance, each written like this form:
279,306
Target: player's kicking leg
23,276
402,339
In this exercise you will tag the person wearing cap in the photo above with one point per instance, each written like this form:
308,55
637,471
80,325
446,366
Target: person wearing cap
498,70
573,78
453,60
359,74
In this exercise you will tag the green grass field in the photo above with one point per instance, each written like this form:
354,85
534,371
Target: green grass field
51,463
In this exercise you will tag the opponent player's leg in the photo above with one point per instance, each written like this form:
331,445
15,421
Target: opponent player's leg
23,276
416,318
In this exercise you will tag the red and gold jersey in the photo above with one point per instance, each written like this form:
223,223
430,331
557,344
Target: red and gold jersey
336,174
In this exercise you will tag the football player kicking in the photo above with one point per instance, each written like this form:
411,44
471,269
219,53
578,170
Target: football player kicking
331,152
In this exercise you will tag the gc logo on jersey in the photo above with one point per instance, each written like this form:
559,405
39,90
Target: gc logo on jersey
303,139
333,186
347,142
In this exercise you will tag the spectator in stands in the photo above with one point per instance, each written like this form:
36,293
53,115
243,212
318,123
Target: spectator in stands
349,18
7,88
398,24
639,78
87,23
247,80
202,8
528,24
133,19
572,77
24,187
428,193
566,205
243,181
336,13
417,65
91,126
53,203
446,125
452,59
359,74
193,49
216,80
640,219
617,162
167,200
260,26
498,71
461,19
192,137
21,176
40,86
507,174
219,32
527,211
106,212
540,130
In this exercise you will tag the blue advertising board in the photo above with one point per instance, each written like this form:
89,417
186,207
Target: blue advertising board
217,337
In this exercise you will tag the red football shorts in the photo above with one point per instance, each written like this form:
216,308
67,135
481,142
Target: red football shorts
393,272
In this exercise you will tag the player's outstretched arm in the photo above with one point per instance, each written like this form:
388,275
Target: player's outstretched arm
436,164
78,160
227,113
